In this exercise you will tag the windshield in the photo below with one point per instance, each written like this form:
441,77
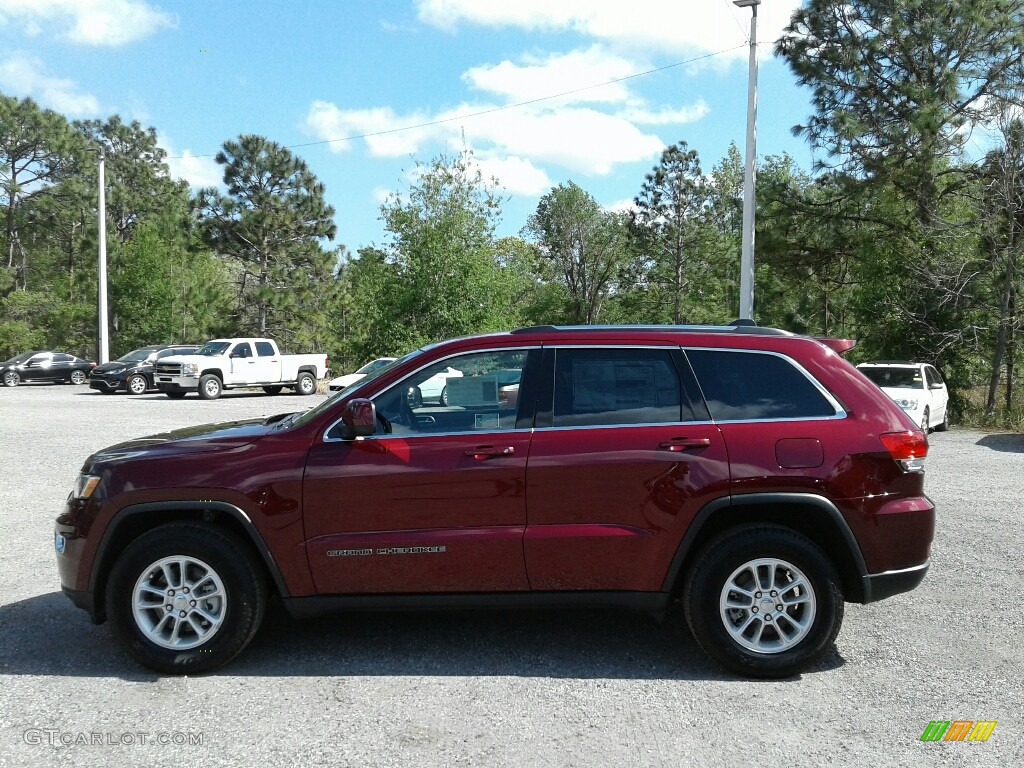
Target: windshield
135,357
213,348
899,378
312,413
376,365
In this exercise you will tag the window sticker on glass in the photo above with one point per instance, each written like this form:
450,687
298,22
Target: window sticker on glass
472,391
486,421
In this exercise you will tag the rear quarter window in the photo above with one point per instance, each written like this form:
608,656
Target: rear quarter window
747,386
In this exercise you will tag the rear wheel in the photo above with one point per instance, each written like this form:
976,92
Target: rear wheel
136,385
78,377
273,390
924,422
764,601
443,399
186,598
305,384
210,387
11,379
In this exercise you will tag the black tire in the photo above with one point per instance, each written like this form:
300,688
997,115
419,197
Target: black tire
924,422
210,386
273,390
240,611
443,399
136,384
175,395
305,384
727,559
77,378
11,379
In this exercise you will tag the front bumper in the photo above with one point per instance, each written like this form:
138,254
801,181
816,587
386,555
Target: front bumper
105,383
176,383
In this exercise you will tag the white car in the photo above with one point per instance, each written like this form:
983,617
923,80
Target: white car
436,387
334,385
917,388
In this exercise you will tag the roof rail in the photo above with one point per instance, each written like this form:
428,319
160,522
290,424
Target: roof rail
745,327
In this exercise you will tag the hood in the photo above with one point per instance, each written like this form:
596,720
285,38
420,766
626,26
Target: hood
203,438
114,365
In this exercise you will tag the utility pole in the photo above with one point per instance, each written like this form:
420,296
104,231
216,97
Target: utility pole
747,252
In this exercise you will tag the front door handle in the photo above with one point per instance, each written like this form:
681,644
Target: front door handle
484,452
677,444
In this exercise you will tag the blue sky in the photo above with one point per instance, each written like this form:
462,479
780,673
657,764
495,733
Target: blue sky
311,74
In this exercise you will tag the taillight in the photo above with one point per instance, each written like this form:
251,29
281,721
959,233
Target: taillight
908,449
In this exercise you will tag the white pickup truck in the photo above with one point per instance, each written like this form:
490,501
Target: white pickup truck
232,363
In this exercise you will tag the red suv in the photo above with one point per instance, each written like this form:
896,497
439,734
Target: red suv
750,473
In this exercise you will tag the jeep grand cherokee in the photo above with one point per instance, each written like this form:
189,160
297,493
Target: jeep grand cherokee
751,474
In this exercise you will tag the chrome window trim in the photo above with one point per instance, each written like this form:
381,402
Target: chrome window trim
428,434
517,348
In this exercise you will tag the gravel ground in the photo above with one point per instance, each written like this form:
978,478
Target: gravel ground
584,688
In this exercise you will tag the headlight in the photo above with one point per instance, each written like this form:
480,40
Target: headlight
84,486
907,403
190,369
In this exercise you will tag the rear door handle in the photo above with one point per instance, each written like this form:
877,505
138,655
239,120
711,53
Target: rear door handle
677,444
484,452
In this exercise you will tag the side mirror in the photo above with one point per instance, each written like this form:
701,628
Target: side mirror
359,418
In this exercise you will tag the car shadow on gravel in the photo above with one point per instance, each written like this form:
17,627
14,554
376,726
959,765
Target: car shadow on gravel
1004,443
45,635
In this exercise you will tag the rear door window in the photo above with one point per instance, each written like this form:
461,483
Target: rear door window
757,386
599,387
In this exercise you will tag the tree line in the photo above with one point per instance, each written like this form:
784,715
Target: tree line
904,236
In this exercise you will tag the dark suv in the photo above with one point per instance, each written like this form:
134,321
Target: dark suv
752,474
134,373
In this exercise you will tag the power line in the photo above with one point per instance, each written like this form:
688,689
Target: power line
503,108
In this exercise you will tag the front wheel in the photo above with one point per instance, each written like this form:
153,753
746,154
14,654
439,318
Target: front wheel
78,377
273,390
11,379
210,387
305,384
186,598
137,385
924,422
175,395
764,601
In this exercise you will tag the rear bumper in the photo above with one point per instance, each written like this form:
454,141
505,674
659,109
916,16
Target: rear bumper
879,586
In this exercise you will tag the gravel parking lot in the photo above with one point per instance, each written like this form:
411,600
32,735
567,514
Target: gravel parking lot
584,688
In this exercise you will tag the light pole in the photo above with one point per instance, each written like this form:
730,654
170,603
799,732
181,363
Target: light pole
747,253
104,346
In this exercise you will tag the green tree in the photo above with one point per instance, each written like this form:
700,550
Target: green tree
271,221
38,149
587,246
669,223
440,270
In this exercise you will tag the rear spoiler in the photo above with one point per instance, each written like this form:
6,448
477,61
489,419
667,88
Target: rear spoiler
839,346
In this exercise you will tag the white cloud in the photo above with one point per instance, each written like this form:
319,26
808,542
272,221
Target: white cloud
590,131
90,22
680,26
621,206
198,171
329,123
517,175
666,116
558,73
26,76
